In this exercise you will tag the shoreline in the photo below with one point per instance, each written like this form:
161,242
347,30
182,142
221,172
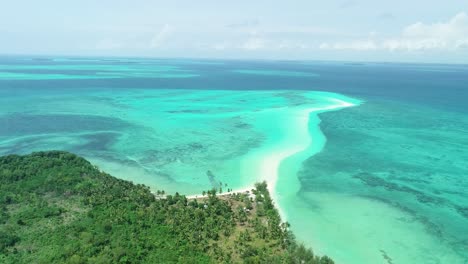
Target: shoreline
269,167
241,190
267,162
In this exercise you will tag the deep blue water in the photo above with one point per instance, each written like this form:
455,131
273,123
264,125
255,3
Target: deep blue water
437,85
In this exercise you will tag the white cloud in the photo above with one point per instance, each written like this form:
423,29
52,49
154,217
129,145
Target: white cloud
415,44
462,44
245,24
386,16
254,43
159,39
352,45
108,44
260,43
455,28
347,4
288,44
309,30
448,36
221,46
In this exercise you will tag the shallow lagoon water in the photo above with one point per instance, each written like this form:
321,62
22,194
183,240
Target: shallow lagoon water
177,140
383,181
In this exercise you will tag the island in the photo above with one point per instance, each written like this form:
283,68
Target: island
57,207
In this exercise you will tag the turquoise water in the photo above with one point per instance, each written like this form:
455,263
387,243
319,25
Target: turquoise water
389,183
177,140
366,161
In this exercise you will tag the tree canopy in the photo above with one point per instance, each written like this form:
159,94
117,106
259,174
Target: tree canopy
56,207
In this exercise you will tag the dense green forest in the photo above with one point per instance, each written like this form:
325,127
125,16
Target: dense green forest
56,207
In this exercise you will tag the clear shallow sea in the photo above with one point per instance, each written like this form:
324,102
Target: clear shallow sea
382,182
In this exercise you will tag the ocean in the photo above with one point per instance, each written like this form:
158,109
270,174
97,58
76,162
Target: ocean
367,161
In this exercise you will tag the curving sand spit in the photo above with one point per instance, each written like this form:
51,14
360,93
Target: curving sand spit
288,133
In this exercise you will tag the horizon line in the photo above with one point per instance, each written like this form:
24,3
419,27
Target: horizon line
230,59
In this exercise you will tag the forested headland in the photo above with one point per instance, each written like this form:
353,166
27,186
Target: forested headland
56,207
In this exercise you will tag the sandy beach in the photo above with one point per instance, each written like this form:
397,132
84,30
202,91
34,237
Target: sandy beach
294,137
263,164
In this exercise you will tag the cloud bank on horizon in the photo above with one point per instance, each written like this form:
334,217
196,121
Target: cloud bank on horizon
299,29
443,36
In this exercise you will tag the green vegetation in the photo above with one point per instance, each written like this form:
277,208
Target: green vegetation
56,207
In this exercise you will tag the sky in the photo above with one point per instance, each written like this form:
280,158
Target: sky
346,30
